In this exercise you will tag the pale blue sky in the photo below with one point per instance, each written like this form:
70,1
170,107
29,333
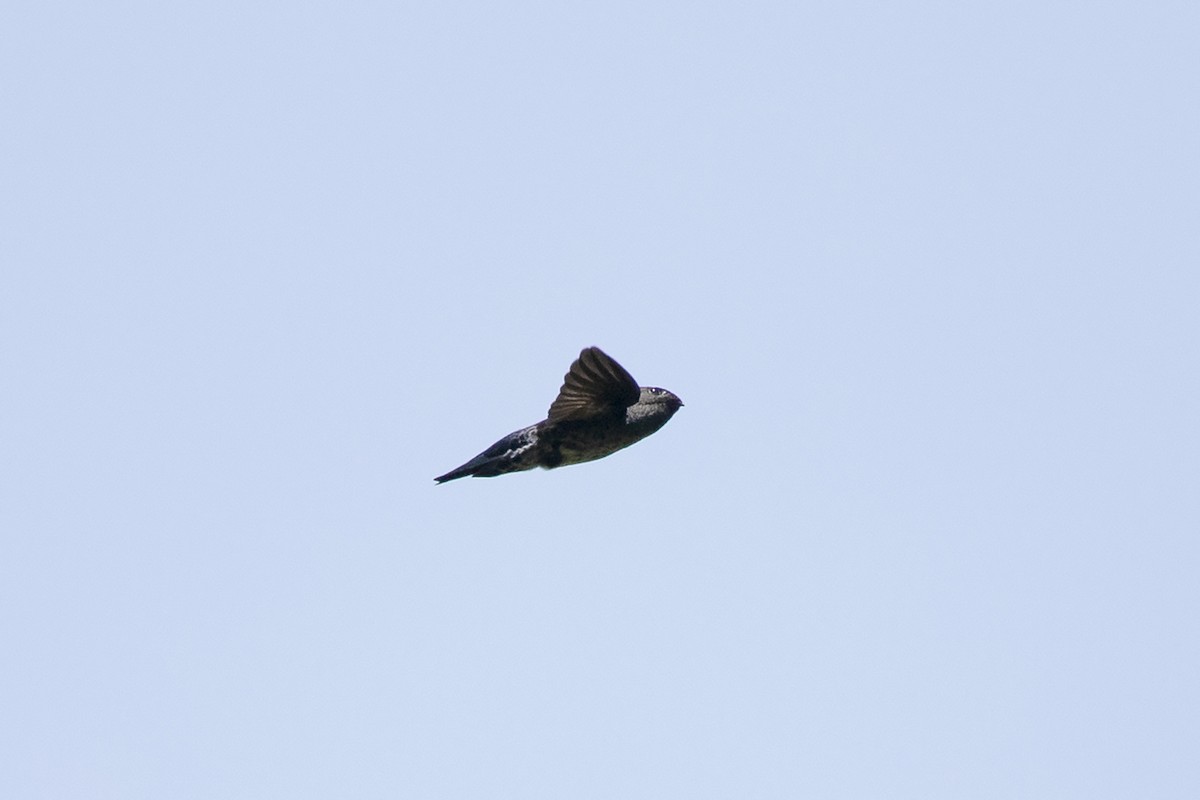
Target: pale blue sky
925,274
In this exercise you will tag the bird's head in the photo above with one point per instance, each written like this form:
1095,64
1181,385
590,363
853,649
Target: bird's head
653,396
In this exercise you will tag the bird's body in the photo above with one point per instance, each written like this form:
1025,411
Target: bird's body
599,410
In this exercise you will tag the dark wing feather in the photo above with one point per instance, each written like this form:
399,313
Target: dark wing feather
594,386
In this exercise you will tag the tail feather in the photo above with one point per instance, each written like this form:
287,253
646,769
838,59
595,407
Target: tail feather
510,454
479,467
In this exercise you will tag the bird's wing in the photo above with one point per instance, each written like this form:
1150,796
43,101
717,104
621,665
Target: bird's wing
594,386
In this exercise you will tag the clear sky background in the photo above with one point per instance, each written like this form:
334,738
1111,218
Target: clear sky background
927,276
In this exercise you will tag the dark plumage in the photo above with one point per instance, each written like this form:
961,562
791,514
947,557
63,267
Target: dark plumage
599,410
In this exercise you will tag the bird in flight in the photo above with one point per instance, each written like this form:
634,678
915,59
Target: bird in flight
599,410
